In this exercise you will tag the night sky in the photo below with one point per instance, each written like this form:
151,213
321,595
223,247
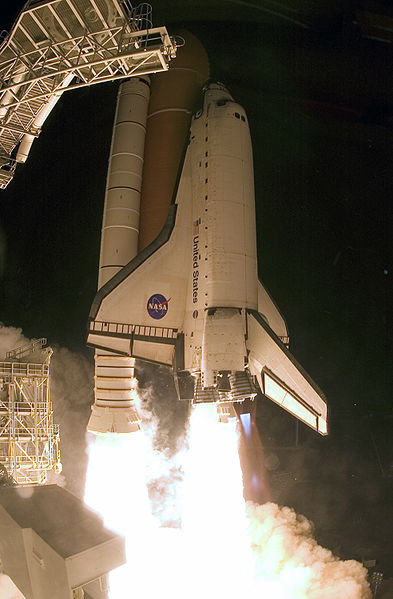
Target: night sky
320,106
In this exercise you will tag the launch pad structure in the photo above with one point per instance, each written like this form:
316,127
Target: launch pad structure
55,547
29,439
58,45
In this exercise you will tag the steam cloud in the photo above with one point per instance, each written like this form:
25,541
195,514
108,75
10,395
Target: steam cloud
290,559
165,422
72,379
11,338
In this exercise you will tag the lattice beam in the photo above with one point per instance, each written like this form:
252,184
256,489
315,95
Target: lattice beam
29,439
61,45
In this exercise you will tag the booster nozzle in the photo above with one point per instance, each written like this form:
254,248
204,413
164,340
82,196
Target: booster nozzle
105,420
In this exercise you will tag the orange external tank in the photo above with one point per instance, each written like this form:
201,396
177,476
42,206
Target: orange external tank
174,97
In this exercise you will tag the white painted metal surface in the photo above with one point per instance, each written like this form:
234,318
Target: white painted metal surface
120,227
223,202
224,263
53,546
114,410
200,280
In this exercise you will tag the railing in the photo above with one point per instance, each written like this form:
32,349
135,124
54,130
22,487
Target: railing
25,407
29,441
31,477
20,461
23,350
34,433
23,369
129,330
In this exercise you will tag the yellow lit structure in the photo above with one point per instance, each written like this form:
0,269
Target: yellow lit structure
29,439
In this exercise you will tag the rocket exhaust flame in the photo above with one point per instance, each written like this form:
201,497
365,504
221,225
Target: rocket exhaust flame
116,487
225,547
214,517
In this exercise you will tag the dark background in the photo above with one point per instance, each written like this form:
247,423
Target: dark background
316,81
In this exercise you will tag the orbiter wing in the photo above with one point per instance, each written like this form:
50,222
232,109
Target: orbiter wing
281,378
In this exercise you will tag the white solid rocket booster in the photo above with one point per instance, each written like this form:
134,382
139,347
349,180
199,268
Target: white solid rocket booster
113,409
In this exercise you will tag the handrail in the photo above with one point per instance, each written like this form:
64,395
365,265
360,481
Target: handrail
128,329
23,369
22,350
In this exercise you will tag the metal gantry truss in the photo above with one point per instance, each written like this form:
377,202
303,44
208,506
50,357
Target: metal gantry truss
60,45
29,439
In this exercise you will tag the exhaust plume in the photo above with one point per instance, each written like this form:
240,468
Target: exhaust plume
222,546
291,562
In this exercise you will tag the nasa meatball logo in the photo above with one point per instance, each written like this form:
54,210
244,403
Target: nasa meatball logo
157,306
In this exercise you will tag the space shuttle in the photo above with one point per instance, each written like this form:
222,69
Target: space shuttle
190,299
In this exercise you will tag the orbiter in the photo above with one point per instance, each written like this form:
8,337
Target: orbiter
191,298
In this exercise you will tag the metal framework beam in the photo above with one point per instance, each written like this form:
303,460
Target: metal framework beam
61,45
29,439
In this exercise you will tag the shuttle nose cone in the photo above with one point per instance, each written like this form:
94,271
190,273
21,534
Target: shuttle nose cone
212,85
217,93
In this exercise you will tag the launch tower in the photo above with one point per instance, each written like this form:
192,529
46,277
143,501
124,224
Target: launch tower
58,45
29,439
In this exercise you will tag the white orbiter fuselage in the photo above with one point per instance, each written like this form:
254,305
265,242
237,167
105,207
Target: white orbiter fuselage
192,299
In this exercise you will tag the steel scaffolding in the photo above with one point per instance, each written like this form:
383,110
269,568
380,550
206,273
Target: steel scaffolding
29,439
57,45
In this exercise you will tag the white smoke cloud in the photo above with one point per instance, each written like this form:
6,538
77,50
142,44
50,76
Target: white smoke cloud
165,418
164,470
72,394
11,338
287,554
